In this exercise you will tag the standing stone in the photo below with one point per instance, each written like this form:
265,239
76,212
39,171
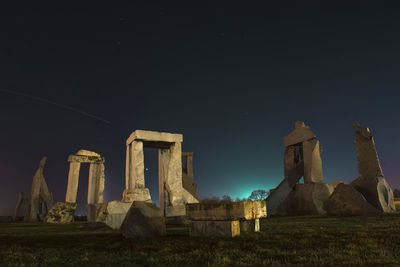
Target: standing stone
73,180
371,183
18,204
367,158
312,161
293,170
188,175
37,184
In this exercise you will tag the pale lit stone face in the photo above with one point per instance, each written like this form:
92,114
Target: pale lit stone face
371,183
172,195
243,210
96,180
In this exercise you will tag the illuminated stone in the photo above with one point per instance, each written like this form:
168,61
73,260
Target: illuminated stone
242,210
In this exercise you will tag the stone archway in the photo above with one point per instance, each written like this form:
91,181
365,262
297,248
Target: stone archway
96,180
172,195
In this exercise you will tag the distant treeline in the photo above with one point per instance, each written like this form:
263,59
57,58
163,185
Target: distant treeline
256,195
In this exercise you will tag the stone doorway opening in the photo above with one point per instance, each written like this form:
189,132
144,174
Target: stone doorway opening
151,173
172,196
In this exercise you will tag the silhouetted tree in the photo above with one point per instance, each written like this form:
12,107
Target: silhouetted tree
226,199
258,195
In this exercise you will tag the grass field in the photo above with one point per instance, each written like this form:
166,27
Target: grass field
311,241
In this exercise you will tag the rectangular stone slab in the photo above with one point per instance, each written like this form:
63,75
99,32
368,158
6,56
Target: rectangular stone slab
154,137
214,228
243,210
298,135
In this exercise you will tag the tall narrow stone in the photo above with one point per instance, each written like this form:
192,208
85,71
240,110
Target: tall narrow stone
174,175
312,161
101,182
93,183
20,199
128,168
73,179
368,162
35,191
137,163
163,160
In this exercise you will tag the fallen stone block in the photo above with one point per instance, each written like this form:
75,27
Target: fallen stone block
306,199
377,192
346,200
278,196
215,228
250,226
113,213
61,212
143,220
242,210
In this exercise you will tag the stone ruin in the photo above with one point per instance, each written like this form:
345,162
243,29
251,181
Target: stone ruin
63,212
176,185
368,194
225,219
172,194
35,206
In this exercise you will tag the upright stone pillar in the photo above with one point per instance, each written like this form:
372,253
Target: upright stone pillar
73,179
101,181
163,160
312,161
173,182
135,190
35,191
93,183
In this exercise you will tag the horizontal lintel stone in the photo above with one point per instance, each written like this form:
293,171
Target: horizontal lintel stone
154,137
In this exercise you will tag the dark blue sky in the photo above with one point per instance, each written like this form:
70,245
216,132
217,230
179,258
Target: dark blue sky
232,79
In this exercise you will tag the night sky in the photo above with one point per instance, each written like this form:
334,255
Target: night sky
231,78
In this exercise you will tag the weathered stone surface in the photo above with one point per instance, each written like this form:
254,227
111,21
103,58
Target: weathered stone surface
40,199
61,212
96,179
277,196
84,152
371,183
137,194
249,226
215,228
18,204
154,137
312,161
377,192
300,134
346,200
73,180
112,213
172,195
368,162
306,199
85,159
243,210
293,169
188,175
143,220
